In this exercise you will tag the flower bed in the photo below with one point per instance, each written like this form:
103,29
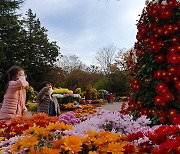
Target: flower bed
101,132
66,98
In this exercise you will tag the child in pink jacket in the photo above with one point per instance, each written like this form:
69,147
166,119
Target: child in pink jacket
15,94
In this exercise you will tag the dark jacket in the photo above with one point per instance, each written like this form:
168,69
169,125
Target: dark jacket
43,100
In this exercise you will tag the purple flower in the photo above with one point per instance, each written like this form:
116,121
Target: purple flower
69,118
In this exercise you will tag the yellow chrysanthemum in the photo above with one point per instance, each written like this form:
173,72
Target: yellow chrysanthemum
51,127
72,144
62,126
1,149
116,148
1,138
1,131
12,133
39,131
31,130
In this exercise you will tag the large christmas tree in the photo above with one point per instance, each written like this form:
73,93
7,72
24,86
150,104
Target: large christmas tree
155,89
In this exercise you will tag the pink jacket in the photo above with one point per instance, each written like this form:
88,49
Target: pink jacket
14,100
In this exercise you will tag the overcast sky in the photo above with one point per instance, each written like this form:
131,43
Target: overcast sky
82,27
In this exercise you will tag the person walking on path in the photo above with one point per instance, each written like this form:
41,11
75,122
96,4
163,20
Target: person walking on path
15,94
111,98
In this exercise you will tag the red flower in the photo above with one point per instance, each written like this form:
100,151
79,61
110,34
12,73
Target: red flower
173,58
172,112
143,111
162,116
172,70
177,85
159,58
153,11
173,3
134,136
159,101
128,148
169,29
150,26
160,74
168,97
161,88
173,49
133,106
175,119
139,103
175,40
158,31
175,78
166,14
168,145
158,136
167,79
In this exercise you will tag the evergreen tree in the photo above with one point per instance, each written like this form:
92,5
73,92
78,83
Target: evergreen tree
155,90
9,33
39,53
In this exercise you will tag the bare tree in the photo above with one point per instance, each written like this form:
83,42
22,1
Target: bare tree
105,57
71,62
92,69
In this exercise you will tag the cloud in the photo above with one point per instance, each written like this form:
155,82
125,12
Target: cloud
82,27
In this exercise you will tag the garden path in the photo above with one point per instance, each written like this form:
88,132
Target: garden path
115,106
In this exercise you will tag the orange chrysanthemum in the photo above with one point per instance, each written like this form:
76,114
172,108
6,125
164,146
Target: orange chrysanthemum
93,152
91,133
58,144
110,137
116,148
47,150
72,144
87,141
98,142
16,147
53,119
32,150
62,126
28,142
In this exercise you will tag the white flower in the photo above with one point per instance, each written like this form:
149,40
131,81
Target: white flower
142,140
76,95
143,120
164,2
155,1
